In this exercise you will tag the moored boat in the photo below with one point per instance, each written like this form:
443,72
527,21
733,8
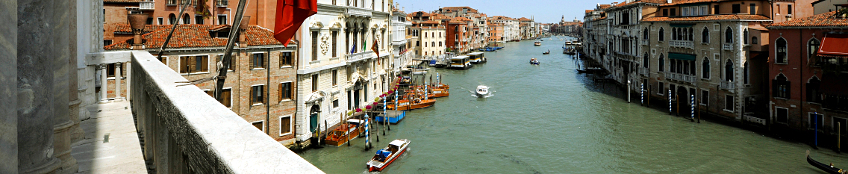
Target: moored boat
344,133
387,155
460,62
477,57
393,116
827,168
537,43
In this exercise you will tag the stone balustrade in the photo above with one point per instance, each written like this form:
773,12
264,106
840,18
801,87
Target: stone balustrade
186,131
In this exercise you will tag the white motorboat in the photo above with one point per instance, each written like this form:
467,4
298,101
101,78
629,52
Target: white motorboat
482,91
387,155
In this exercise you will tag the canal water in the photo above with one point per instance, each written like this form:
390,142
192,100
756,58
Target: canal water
549,119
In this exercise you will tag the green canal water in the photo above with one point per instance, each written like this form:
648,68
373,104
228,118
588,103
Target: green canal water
549,119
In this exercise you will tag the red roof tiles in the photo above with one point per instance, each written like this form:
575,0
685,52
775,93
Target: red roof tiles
708,18
828,19
195,36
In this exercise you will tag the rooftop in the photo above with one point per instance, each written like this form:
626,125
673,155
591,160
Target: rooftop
725,17
824,20
192,36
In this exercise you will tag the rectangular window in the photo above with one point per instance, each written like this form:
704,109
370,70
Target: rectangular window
314,45
816,121
673,12
256,96
285,125
685,11
222,19
665,12
705,98
660,88
226,97
194,64
735,8
753,9
257,61
160,21
782,115
259,125
335,103
198,19
729,102
704,10
314,82
335,37
335,77
715,9
285,59
233,60
789,9
285,91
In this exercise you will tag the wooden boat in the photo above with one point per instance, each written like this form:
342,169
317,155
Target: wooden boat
415,103
344,133
437,92
537,43
548,52
393,116
827,168
387,155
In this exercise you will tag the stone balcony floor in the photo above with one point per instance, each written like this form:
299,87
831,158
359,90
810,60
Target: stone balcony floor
120,152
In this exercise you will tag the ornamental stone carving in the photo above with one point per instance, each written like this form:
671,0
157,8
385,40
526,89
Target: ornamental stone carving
324,44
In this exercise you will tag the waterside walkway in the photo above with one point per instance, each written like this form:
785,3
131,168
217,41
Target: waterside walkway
111,143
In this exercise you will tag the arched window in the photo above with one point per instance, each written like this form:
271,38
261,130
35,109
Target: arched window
754,40
691,67
728,35
172,19
705,35
645,61
440,43
781,87
812,49
186,19
691,34
661,34
780,48
661,63
745,72
745,36
705,68
645,34
673,33
813,91
433,44
728,71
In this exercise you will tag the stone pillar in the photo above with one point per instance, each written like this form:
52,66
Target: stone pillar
129,78
73,86
8,89
61,86
35,112
104,86
118,80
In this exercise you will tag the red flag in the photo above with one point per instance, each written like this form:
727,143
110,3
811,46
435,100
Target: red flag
290,15
374,48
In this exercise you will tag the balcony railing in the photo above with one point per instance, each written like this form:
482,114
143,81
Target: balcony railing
689,78
361,56
835,102
681,44
186,130
643,71
727,46
354,11
221,3
146,5
728,85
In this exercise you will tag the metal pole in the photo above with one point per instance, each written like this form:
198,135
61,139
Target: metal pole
816,123
268,93
222,73
628,91
174,27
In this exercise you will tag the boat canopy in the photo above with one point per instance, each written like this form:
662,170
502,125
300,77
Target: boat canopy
459,57
475,53
397,143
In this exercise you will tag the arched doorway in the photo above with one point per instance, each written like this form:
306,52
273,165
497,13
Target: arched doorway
683,101
357,88
313,117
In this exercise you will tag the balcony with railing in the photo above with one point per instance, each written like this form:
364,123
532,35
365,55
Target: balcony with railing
727,46
728,85
146,5
644,71
360,56
185,130
681,44
221,3
355,11
835,102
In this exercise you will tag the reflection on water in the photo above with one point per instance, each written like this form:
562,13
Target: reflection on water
549,119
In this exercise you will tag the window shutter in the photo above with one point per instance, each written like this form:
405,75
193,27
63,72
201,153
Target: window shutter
183,63
226,96
204,63
251,95
280,91
192,64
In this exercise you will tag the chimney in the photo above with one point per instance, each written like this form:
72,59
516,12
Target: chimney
137,22
245,21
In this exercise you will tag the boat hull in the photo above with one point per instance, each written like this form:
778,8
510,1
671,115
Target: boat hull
393,118
338,140
823,166
380,166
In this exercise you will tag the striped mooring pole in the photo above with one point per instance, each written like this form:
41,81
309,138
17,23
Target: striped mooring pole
642,93
367,133
692,104
669,101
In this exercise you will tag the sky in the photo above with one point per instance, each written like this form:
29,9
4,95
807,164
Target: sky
544,11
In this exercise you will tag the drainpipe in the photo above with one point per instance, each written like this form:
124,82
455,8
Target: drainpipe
267,91
801,78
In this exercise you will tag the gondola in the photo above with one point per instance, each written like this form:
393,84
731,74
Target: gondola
827,168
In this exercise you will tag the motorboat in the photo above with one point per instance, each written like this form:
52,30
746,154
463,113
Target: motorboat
533,61
344,133
547,52
387,155
482,91
538,43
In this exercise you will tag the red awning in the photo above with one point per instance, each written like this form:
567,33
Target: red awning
834,45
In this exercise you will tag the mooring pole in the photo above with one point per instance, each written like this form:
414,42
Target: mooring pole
642,94
692,105
669,102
